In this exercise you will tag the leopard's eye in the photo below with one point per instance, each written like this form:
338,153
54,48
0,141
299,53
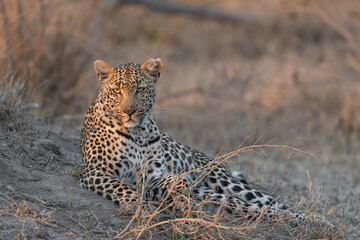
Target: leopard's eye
117,90
140,90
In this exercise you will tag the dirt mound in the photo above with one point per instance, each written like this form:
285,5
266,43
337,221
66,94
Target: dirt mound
39,199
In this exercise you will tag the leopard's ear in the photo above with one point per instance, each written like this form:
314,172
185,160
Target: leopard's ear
152,69
104,71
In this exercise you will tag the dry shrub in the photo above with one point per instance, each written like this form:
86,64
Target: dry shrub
13,95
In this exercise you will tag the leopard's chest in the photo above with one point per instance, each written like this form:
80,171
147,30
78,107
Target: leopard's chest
134,159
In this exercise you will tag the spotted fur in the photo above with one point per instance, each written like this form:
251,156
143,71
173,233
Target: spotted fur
120,137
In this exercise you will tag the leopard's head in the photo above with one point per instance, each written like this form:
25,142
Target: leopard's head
128,91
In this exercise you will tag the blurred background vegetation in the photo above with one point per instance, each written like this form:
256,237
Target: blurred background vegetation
289,70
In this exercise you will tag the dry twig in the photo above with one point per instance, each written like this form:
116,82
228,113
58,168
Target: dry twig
195,221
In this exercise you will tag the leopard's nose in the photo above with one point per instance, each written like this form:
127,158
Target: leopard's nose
130,111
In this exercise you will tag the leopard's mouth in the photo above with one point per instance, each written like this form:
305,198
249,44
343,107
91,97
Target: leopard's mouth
130,123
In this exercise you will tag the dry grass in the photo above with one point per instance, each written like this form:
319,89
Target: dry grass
37,42
13,95
24,212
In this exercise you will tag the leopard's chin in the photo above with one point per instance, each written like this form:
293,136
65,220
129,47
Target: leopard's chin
131,123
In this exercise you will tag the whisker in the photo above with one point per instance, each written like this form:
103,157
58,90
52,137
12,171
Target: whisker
160,113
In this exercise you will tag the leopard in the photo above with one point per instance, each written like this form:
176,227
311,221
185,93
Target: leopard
120,138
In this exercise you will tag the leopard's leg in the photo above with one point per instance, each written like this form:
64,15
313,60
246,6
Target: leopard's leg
235,203
245,197
239,176
108,186
223,186
169,192
169,185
